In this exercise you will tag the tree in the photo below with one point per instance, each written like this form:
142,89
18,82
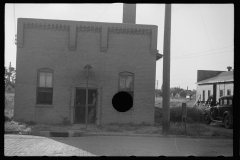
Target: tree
10,75
175,90
183,93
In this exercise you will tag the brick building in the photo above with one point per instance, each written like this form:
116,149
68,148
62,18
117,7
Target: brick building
51,80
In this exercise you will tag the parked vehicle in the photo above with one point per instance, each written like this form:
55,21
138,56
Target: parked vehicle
219,112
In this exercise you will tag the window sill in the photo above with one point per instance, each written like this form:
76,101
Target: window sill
44,105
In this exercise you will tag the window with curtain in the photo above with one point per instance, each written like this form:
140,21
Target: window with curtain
45,86
126,82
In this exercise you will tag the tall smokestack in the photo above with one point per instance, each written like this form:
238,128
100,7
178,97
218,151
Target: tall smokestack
129,13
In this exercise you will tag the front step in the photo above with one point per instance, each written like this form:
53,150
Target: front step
58,134
83,126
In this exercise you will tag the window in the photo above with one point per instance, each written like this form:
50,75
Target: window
221,102
229,92
221,93
225,101
45,86
230,101
126,82
209,93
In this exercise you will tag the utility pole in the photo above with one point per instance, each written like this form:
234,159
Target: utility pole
166,71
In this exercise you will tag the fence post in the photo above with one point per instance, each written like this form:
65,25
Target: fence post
184,116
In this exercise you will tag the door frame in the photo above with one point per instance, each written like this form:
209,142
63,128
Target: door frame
99,100
98,103
84,88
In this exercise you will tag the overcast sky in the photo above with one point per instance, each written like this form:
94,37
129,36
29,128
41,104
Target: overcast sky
201,34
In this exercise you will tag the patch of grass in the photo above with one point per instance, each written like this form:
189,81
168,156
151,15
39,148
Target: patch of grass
175,102
193,129
118,127
158,116
193,115
45,127
197,129
149,130
111,128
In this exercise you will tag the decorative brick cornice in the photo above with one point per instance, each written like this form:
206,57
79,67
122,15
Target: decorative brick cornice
89,28
46,26
133,31
81,26
111,30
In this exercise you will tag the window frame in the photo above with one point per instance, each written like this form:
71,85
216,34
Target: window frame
126,73
221,91
203,97
38,88
220,102
229,91
209,93
225,101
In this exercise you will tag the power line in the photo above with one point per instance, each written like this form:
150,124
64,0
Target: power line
96,20
202,52
103,11
208,36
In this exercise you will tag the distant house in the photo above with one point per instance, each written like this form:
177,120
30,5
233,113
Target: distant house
216,83
177,95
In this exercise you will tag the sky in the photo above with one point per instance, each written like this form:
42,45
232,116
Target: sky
202,35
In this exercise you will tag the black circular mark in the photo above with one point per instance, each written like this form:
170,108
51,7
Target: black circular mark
122,101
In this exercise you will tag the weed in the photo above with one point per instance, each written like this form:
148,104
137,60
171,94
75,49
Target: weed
15,126
65,121
193,115
8,115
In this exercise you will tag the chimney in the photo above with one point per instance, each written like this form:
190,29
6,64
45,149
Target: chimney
229,68
129,13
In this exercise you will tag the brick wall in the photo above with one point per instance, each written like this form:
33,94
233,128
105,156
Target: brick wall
45,48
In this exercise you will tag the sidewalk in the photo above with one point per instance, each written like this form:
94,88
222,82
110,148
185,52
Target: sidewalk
28,145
